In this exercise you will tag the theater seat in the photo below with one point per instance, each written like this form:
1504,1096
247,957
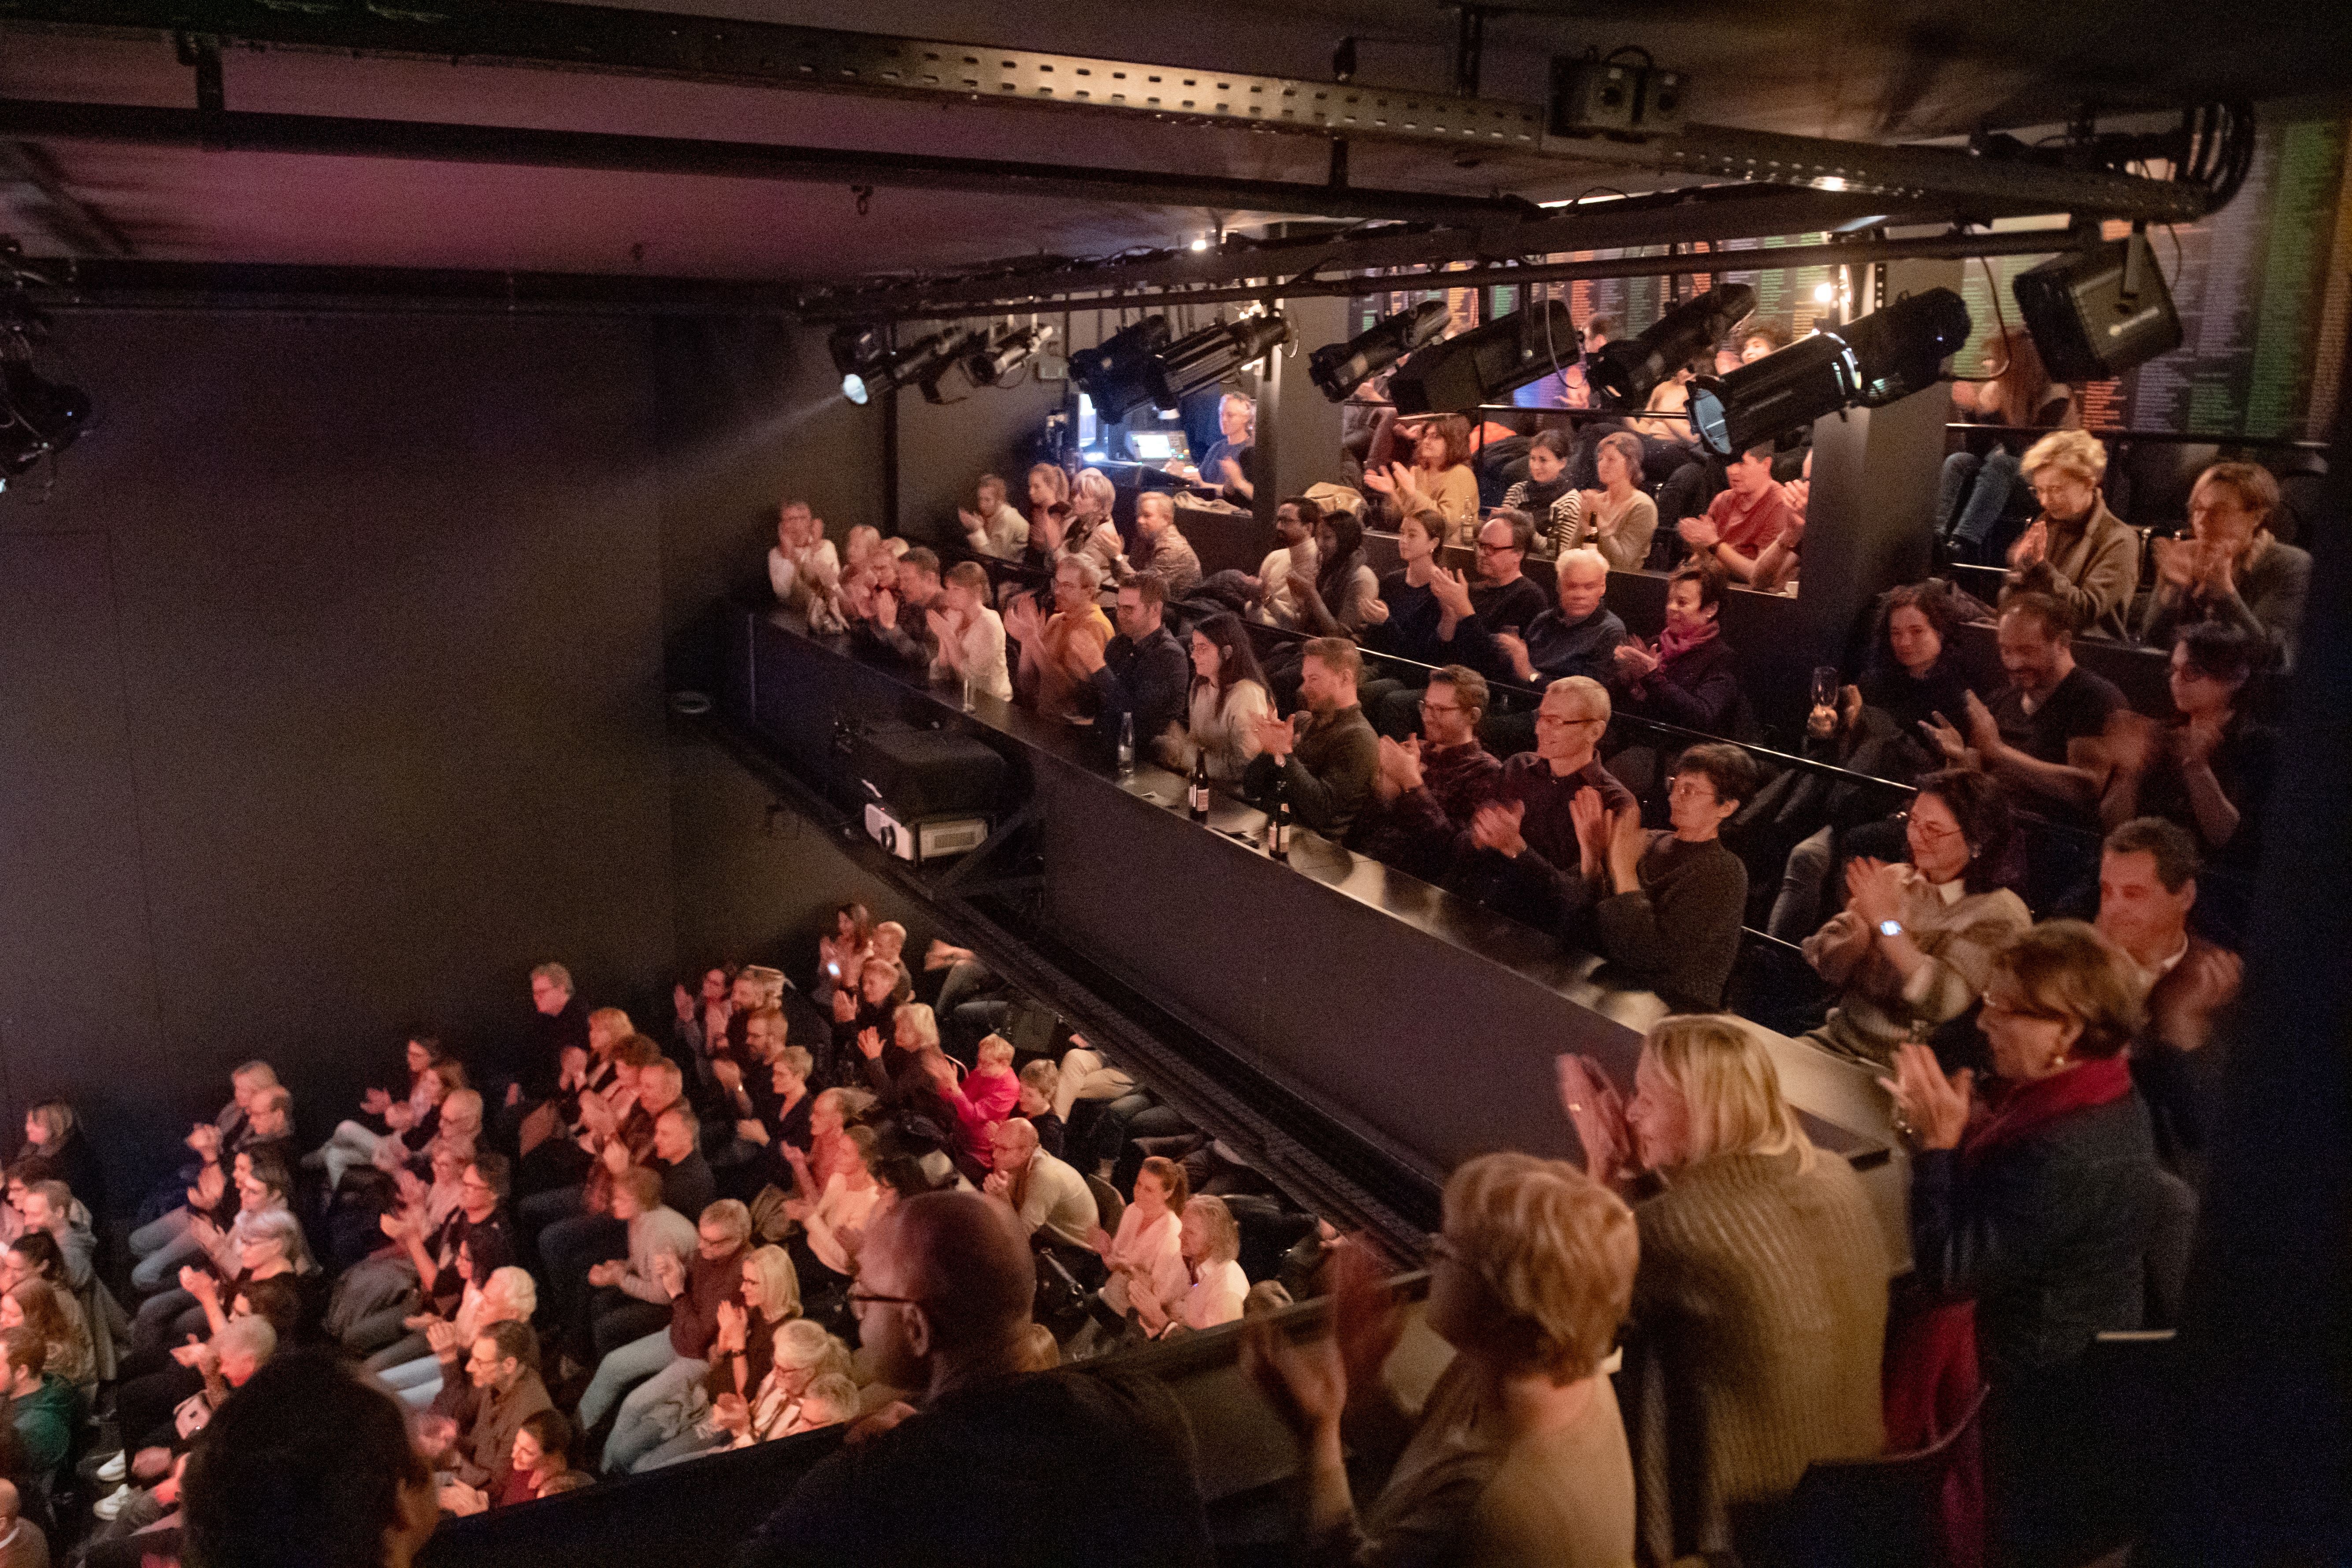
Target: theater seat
1108,1205
1887,1512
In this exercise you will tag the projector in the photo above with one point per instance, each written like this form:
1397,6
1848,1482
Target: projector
934,839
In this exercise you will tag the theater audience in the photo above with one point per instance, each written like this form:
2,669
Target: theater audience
645,1371
1501,596
1161,552
900,619
1580,636
510,1294
802,569
1440,481
1228,700
1324,759
1980,481
942,1301
1341,597
1760,1307
969,635
2075,549
1742,521
1619,519
993,527
1913,674
1668,906
1913,947
2034,1203
1227,466
486,1404
2147,886
1296,522
626,1299
1051,670
2231,568
1690,676
1405,622
1518,1457
2208,768
55,1149
41,1408
1045,1193
1429,787
414,1119
1523,854
308,1465
1547,496
1211,1242
2042,735
1141,675
22,1542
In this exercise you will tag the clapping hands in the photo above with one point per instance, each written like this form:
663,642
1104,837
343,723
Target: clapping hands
1597,1112
1932,1107
1452,592
1495,825
1636,661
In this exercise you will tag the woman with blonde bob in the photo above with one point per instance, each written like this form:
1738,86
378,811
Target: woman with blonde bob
1521,1455
2075,548
2033,1198
1761,1301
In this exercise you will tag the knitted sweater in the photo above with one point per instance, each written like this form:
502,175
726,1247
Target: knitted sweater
1760,1316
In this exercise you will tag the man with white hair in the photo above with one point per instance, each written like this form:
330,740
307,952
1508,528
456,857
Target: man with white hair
1160,550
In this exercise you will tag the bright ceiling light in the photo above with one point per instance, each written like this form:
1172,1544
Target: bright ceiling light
1202,243
1824,294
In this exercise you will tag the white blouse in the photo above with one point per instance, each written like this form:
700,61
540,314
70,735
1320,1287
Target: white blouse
1155,1251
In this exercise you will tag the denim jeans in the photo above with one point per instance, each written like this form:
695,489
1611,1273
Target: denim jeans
639,1429
622,1371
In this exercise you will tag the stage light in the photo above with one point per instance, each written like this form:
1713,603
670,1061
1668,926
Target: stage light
1486,364
947,377
2095,315
1341,368
1624,373
1117,373
1206,357
1201,243
1887,355
39,418
1824,294
920,361
856,349
992,361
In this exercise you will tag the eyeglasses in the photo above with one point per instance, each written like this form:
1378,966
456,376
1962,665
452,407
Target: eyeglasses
1429,707
858,1297
1486,549
1933,832
1544,718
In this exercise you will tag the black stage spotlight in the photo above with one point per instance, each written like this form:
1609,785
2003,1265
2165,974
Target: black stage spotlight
39,418
1624,373
1116,371
1206,357
947,377
1341,368
1887,354
917,361
856,349
2097,313
992,361
1486,362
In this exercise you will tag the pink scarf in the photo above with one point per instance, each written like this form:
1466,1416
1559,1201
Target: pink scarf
1673,645
2013,1111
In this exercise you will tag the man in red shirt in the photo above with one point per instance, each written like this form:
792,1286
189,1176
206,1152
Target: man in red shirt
1745,518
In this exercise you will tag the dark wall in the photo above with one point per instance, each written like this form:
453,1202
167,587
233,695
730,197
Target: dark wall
331,684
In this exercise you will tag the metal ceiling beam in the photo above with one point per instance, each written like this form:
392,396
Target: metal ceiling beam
1709,215
549,34
1845,253
324,135
112,283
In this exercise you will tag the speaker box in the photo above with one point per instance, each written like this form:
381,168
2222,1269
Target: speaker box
2082,323
917,774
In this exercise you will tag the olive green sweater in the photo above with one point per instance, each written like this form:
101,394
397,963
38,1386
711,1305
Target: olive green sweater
1759,1318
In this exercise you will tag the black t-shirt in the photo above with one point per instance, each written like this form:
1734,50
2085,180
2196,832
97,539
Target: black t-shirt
1045,1468
2241,765
1512,606
2077,709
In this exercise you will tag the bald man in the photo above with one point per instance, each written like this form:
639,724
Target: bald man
22,1544
998,1466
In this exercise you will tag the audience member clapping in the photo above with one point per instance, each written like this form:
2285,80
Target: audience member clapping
685,1423
2034,1200
509,1295
1430,786
413,1119
970,636
942,1301
1761,1296
993,527
1525,853
1519,1454
1323,760
2076,551
1140,678
2232,569
803,1356
644,1371
2040,734
1915,943
1690,677
1211,1242
1342,594
483,1407
1057,648
1668,906
802,569
1146,1256
1228,700
2208,769
1741,523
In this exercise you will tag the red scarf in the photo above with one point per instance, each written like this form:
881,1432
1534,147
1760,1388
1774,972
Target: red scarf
2013,1110
1673,645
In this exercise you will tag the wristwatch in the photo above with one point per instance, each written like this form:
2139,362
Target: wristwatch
1890,928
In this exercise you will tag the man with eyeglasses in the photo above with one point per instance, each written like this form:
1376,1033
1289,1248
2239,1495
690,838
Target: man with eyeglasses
1479,616
499,1391
1522,854
992,1465
1428,787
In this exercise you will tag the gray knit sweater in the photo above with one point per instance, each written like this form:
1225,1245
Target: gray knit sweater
1760,1319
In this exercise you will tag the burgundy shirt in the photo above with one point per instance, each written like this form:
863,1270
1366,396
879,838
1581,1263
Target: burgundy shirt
1748,523
1548,829
694,1317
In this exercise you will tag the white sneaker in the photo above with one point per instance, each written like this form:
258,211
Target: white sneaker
113,1502
116,1469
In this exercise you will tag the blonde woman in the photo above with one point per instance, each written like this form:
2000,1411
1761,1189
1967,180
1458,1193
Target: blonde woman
803,1354
741,1355
1762,1290
1519,1455
2076,549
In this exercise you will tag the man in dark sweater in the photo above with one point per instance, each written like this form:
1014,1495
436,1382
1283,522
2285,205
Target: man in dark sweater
1143,671
1523,855
901,621
1578,637
1058,1467
1673,903
1327,766
1429,787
